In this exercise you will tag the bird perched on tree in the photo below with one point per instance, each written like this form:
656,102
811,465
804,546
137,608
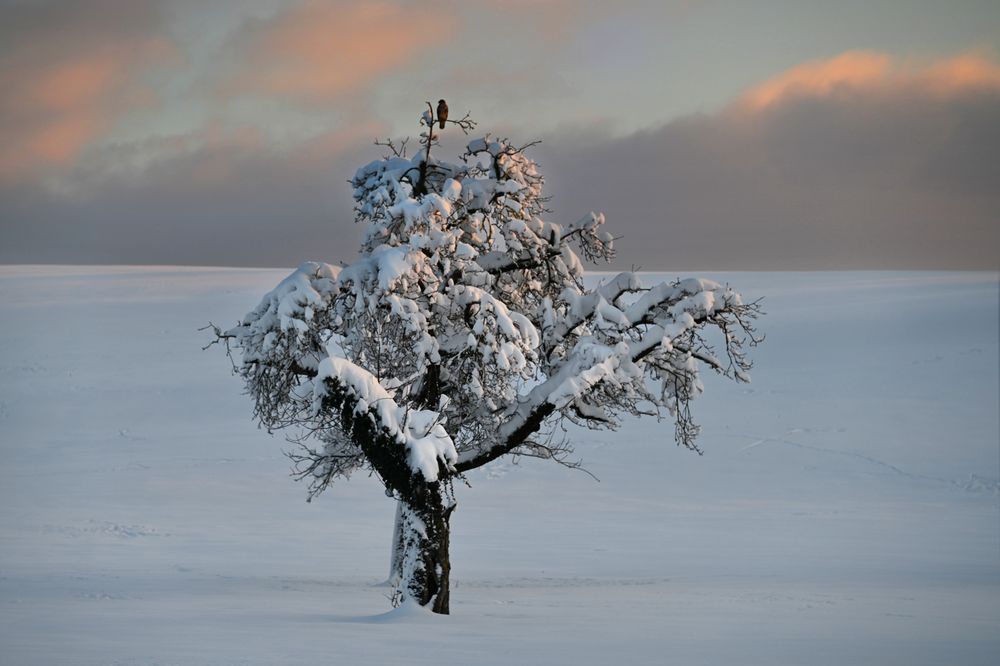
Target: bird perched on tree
442,112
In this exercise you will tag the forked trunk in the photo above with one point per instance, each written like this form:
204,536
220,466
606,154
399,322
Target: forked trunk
423,530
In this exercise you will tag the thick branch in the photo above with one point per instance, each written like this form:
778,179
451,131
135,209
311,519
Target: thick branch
522,429
381,447
524,263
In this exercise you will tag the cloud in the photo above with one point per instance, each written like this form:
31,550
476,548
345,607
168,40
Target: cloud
318,52
221,195
820,78
868,72
68,72
891,170
855,162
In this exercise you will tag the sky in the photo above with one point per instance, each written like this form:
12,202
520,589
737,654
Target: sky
742,135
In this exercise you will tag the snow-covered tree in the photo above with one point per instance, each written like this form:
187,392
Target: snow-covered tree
462,333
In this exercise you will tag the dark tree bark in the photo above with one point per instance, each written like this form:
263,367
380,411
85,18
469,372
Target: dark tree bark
425,525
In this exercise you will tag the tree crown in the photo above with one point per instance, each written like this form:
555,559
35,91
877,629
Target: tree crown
464,329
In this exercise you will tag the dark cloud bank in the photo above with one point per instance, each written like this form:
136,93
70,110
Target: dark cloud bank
892,181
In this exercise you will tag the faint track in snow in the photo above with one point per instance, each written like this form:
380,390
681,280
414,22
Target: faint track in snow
557,582
23,369
974,483
105,528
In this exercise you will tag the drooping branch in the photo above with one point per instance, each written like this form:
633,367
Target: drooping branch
590,371
220,337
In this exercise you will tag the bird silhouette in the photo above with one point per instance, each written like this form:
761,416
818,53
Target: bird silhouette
442,112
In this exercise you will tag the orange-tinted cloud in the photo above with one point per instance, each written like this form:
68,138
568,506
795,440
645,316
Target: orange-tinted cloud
871,71
317,52
967,72
67,72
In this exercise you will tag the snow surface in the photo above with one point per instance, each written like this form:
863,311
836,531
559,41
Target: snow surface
845,510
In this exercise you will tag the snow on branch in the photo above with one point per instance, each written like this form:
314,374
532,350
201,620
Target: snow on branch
622,350
357,393
281,341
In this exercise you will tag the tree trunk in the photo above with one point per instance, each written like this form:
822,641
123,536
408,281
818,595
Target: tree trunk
424,524
396,555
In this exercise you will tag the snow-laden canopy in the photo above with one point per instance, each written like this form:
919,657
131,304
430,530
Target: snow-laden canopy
463,331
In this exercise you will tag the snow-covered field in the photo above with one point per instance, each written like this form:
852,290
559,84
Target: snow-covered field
845,510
